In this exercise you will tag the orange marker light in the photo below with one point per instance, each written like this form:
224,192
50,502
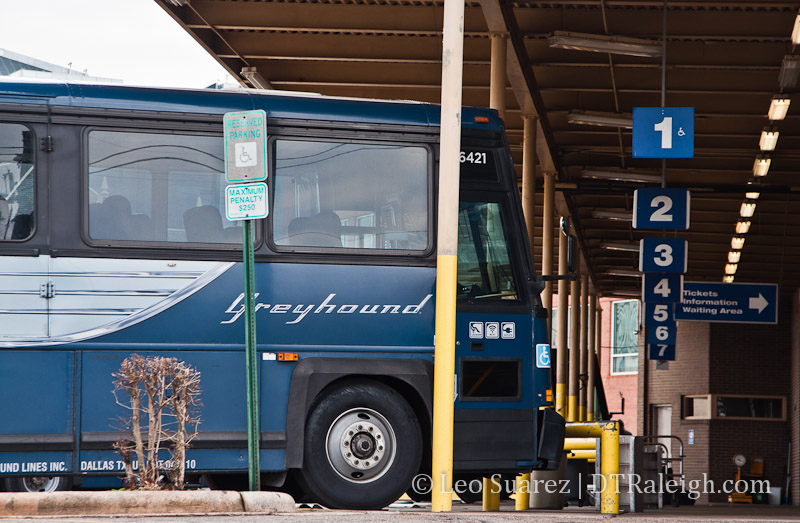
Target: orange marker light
287,356
481,119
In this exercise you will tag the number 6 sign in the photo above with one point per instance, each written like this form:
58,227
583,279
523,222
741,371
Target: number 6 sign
660,208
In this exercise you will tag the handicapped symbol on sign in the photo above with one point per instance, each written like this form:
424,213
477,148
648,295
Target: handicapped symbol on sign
543,356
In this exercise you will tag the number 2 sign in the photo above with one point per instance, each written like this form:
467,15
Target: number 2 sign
660,208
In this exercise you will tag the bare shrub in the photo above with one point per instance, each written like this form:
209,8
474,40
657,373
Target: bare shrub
162,395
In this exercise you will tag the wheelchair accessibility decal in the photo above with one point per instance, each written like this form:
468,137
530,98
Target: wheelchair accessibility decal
542,356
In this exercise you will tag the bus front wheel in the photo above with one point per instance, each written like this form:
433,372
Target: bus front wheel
363,446
38,484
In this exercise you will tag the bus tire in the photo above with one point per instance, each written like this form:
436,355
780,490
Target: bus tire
363,446
38,484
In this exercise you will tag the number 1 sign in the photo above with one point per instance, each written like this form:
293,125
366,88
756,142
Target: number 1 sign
659,208
663,132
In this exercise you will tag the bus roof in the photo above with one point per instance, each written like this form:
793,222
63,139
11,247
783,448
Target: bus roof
277,104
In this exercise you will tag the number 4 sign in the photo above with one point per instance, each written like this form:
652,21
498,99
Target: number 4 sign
659,208
662,288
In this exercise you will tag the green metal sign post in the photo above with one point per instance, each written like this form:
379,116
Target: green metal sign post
245,162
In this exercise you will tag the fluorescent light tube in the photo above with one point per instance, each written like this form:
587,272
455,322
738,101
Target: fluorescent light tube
742,227
790,70
769,139
761,166
747,210
621,176
605,44
624,272
733,256
737,243
752,195
730,268
627,247
796,30
625,216
600,119
778,107
728,278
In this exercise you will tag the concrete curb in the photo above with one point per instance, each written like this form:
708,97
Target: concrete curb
142,502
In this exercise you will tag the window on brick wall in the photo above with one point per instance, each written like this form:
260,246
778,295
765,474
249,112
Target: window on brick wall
624,330
734,406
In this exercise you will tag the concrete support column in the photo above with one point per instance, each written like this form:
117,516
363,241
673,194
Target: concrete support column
584,343
592,336
498,78
547,243
574,347
561,327
529,178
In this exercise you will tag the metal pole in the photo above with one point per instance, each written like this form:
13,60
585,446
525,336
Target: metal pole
574,348
590,378
447,256
547,244
598,347
529,178
584,343
498,78
253,432
609,468
561,325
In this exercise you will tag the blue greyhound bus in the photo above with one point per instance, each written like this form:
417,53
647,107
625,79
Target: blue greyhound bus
114,241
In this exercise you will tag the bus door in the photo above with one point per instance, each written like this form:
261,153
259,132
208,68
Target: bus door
494,417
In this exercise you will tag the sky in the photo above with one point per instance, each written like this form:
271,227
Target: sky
135,41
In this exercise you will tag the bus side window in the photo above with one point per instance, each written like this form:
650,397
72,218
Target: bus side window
16,181
150,187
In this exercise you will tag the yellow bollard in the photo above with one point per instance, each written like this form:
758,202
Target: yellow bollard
580,443
581,454
522,498
609,468
491,495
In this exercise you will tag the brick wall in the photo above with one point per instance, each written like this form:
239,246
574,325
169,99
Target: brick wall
688,374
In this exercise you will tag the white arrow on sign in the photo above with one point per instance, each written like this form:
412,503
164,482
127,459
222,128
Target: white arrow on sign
759,303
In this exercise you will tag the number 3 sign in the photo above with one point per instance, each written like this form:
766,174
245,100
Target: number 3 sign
661,209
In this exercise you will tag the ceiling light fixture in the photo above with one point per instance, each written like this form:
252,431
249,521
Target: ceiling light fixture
778,107
730,268
625,216
769,139
752,195
796,30
761,166
737,243
622,176
742,227
624,272
252,75
790,71
605,44
600,119
747,210
627,247
733,256
728,278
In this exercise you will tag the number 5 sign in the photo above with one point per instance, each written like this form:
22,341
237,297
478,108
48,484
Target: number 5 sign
661,209
663,132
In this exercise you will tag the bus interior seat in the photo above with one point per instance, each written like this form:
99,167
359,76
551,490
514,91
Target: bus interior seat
111,220
321,230
5,213
203,224
141,228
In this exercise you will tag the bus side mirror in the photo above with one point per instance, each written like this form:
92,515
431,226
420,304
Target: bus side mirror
570,254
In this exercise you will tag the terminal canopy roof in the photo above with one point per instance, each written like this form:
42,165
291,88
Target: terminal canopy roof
725,59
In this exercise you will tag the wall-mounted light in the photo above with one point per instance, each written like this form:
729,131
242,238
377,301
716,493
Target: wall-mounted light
605,44
747,210
621,176
730,268
728,278
752,195
742,227
600,119
737,243
769,139
733,256
761,165
778,107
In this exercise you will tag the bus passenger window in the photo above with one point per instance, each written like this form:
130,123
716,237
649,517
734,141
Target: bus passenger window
150,187
484,264
16,181
350,196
